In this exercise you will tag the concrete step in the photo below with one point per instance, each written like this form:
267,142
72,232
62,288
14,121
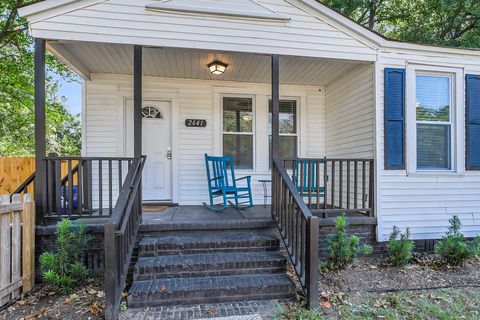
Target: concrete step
182,291
209,264
181,243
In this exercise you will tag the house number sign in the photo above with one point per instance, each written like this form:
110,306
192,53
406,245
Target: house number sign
197,123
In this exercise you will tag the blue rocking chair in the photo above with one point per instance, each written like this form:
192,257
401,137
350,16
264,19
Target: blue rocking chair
222,183
306,180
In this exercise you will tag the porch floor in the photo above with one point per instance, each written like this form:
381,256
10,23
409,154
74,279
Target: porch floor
200,218
200,213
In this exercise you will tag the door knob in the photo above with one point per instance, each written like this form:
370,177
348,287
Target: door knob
169,154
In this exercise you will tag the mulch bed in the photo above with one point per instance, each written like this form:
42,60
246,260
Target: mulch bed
43,303
375,274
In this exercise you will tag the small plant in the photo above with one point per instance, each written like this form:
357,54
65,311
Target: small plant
453,247
343,248
123,306
400,247
64,268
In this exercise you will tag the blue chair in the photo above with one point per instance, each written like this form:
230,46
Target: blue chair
222,183
306,180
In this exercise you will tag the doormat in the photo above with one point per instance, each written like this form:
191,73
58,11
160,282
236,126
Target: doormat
154,208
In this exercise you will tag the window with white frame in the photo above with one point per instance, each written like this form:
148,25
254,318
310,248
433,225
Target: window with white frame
288,132
238,130
435,110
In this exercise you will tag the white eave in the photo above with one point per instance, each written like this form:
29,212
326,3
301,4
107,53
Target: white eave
48,8
261,13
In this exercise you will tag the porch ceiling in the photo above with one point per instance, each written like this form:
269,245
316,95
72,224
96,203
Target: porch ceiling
88,58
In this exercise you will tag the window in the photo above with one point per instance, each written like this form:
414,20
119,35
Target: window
434,124
238,131
150,112
287,129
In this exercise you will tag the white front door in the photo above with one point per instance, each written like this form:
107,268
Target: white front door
157,146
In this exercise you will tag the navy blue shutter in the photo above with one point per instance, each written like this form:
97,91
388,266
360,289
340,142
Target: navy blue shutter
394,119
473,122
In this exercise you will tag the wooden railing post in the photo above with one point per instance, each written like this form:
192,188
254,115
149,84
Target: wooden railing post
28,243
111,275
311,263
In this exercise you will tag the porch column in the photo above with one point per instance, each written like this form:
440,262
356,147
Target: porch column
137,101
275,118
40,136
275,104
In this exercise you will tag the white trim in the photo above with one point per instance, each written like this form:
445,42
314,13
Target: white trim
457,113
42,6
350,26
169,7
83,117
378,138
51,8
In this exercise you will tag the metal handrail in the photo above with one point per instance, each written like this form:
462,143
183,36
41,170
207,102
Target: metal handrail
298,229
120,236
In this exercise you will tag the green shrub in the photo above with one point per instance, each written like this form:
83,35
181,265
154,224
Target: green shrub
64,268
400,247
453,247
343,249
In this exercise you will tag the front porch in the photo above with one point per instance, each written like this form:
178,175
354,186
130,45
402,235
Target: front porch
304,124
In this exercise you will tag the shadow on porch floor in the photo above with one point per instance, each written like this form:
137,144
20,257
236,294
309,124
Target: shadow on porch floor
200,218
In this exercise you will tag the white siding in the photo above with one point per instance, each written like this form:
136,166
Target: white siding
129,22
105,96
315,124
350,113
422,202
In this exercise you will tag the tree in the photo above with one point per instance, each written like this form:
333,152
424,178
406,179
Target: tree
16,92
437,22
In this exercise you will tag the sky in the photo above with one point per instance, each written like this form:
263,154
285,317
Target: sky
72,91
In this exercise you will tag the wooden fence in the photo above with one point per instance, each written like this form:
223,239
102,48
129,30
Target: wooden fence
15,170
17,246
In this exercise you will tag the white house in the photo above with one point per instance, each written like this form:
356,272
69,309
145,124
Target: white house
346,93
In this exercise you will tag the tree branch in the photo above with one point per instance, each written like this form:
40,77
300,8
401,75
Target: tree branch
449,26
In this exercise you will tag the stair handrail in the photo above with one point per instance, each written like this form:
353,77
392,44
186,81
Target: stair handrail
31,179
24,186
120,234
298,229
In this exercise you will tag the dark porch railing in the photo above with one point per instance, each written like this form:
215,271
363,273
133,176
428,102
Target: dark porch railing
120,236
86,187
332,186
299,230
303,189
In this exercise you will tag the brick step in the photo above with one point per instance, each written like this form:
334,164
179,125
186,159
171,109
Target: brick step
182,291
207,242
209,264
152,227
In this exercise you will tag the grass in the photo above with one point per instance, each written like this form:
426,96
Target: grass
446,304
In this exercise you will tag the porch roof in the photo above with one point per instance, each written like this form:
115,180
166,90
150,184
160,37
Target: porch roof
281,27
88,58
293,27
